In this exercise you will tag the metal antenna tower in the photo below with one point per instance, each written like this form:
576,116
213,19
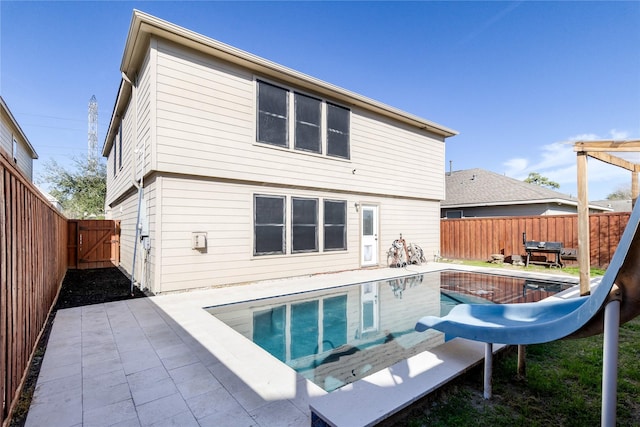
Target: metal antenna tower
92,155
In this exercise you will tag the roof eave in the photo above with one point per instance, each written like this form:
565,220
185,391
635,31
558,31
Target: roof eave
522,202
143,26
124,94
14,122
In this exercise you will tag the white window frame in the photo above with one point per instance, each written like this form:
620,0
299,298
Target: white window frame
316,225
454,211
291,121
283,225
288,225
14,149
324,225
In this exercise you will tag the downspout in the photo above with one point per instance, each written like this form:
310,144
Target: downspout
135,243
140,183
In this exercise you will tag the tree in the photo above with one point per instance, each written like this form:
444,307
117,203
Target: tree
81,191
622,193
536,178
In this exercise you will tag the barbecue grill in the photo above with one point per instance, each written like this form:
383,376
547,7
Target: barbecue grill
532,246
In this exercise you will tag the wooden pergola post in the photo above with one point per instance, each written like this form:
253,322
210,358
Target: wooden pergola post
584,258
599,150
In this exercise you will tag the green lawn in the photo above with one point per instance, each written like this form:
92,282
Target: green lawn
562,387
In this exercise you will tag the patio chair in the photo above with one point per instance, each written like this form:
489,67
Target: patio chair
615,300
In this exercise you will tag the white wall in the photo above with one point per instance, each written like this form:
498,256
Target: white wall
24,161
192,118
225,212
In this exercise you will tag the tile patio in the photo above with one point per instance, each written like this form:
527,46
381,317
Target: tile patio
163,361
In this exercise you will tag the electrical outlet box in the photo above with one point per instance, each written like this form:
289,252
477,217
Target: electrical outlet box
199,240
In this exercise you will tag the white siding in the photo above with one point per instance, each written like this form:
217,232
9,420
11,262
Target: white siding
119,176
206,126
192,119
136,139
225,212
24,161
126,211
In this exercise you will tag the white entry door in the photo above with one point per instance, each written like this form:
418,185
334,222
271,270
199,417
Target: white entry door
369,236
369,312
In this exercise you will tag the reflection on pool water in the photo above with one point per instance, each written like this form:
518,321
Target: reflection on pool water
336,336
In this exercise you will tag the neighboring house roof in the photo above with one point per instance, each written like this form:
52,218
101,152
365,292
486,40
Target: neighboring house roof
14,122
479,187
616,205
143,26
54,202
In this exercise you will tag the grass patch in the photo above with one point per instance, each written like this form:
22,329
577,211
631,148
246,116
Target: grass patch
562,387
572,270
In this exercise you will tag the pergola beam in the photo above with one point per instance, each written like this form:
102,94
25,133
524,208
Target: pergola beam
604,146
615,161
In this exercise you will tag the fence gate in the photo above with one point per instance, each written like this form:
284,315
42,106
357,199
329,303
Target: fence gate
93,243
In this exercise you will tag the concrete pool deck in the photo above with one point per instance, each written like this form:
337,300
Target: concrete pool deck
164,360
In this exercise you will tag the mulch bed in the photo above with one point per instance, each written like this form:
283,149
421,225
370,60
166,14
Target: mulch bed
80,287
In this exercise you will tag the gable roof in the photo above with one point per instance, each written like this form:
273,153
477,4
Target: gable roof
479,187
144,26
616,205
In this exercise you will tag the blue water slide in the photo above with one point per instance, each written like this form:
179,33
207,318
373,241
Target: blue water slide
531,323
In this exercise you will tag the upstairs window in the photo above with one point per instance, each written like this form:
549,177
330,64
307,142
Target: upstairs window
120,147
115,158
304,222
308,120
273,106
269,219
14,148
317,125
337,131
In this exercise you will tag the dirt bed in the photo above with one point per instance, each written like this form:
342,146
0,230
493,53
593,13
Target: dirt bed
80,287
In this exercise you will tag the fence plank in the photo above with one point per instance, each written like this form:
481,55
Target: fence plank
4,282
479,238
32,266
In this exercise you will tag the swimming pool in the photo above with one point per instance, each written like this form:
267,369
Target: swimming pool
336,336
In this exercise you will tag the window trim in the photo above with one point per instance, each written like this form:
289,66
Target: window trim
454,212
316,225
115,154
296,121
348,133
324,226
283,225
291,121
286,118
120,146
287,226
14,149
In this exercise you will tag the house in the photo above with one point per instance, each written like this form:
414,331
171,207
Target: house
481,193
54,202
226,168
624,205
14,145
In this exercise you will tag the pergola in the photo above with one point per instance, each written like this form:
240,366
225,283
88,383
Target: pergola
614,153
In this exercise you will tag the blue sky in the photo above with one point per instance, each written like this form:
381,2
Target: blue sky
519,80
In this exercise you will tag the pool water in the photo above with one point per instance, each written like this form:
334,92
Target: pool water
336,336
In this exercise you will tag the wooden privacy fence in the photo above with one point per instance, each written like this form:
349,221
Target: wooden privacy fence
479,238
33,239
